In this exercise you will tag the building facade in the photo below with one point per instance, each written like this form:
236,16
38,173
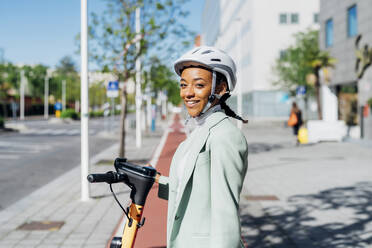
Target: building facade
346,32
256,33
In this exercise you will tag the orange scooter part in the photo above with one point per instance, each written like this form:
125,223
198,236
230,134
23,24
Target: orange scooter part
131,227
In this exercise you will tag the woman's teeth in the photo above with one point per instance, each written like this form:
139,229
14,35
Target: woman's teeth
191,103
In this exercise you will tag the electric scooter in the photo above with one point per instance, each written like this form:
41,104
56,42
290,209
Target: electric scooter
140,180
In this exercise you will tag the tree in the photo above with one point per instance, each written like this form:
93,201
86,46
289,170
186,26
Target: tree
35,76
161,78
97,94
114,37
300,60
9,76
66,70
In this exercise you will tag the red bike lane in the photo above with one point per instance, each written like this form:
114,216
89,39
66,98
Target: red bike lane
153,233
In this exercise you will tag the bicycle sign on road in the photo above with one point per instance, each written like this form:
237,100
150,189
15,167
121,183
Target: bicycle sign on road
112,89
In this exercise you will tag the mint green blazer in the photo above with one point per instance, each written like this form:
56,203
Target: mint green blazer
207,213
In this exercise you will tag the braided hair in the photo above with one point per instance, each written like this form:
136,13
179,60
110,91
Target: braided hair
220,78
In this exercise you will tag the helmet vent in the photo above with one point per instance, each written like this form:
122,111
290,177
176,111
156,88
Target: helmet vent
195,50
206,52
216,60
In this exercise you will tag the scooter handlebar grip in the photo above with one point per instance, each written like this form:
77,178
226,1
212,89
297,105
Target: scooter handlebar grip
109,177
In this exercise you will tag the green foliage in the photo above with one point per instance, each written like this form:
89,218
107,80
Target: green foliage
97,94
113,35
299,60
70,113
66,70
66,66
348,89
161,78
113,38
35,78
96,113
1,122
10,80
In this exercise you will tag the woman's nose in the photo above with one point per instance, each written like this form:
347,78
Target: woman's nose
190,92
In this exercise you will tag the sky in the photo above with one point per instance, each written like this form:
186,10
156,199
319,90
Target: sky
43,31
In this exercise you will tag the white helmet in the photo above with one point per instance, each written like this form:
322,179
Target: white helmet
212,58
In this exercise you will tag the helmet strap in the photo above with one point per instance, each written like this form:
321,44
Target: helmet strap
212,96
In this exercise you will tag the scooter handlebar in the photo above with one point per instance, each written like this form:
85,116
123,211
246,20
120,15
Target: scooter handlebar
108,177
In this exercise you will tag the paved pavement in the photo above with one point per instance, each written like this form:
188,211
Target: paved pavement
85,224
42,151
308,196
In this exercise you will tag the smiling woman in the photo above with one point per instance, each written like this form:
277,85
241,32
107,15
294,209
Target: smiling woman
209,167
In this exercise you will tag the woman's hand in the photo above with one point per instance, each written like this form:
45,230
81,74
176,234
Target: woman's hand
157,176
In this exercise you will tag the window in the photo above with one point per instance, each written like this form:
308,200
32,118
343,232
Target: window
329,32
294,18
282,18
352,23
316,18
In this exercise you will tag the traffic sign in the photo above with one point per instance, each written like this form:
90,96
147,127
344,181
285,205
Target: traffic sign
112,89
301,90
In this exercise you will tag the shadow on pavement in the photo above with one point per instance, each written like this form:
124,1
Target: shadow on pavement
262,147
337,217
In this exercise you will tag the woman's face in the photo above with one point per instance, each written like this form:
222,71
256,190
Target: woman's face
196,86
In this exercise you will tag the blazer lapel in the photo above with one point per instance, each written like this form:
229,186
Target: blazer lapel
194,152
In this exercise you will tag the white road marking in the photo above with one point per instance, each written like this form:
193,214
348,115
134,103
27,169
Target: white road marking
73,132
7,156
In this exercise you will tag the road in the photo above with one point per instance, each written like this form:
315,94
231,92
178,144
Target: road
41,153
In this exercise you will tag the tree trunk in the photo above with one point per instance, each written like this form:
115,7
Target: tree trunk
122,122
317,92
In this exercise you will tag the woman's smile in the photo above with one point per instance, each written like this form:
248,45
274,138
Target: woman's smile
191,103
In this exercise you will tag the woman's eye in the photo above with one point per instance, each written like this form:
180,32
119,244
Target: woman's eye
182,85
200,85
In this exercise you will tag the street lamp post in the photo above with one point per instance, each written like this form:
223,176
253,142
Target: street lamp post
84,103
22,93
148,106
63,95
46,94
138,84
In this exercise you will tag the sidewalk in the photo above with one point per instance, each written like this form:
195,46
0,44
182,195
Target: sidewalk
309,196
66,220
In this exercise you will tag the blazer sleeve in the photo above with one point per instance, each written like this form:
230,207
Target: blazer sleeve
163,189
228,153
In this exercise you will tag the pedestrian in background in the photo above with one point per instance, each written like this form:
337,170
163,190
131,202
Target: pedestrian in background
295,120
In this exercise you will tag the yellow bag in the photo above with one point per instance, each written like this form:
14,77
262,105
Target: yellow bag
303,137
292,119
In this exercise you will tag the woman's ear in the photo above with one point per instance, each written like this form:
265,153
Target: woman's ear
221,88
